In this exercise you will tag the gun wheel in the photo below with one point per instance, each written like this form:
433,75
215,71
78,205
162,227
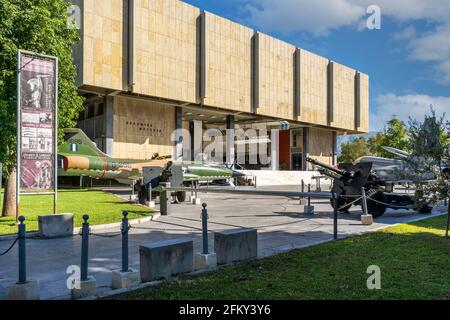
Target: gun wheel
376,209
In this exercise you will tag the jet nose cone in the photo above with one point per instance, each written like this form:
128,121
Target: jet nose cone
236,174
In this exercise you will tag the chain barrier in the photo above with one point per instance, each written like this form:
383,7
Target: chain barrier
9,249
349,204
110,234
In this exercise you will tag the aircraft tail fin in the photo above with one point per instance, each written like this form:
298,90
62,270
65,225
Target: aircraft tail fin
76,142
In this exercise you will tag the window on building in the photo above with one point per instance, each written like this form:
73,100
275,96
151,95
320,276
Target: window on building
91,111
100,109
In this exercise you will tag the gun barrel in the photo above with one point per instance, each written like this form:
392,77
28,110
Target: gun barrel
325,166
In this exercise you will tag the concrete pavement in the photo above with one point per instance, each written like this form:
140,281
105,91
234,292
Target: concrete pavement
280,222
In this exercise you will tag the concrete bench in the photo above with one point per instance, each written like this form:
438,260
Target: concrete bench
55,225
235,245
165,258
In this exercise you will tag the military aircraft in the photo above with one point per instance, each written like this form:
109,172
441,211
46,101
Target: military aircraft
81,157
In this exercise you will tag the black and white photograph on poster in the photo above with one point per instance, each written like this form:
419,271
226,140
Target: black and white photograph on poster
37,90
45,118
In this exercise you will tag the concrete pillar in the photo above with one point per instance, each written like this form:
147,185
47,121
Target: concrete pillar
178,147
334,137
274,149
196,132
109,126
230,140
305,152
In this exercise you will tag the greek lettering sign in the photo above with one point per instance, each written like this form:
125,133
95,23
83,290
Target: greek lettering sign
37,98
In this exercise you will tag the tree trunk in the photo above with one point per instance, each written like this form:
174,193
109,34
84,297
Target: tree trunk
9,203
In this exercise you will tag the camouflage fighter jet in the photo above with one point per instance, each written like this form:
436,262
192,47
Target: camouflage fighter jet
81,157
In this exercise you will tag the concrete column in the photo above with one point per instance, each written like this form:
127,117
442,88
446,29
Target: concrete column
274,149
334,137
178,147
357,100
196,133
203,56
109,126
305,152
131,45
230,140
297,83
255,71
330,93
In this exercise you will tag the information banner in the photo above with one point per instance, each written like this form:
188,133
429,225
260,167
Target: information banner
37,112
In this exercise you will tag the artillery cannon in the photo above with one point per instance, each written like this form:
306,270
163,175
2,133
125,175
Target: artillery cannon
348,181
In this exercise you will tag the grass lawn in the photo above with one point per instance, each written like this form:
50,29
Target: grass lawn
102,208
414,260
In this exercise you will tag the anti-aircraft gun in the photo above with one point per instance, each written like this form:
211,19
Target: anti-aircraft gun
348,181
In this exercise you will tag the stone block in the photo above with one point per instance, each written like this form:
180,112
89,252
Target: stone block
88,288
56,225
303,201
163,259
367,219
205,261
235,245
11,290
122,279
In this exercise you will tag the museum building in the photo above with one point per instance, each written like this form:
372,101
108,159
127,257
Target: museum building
148,67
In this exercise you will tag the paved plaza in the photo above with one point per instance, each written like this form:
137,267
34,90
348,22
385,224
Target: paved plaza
280,222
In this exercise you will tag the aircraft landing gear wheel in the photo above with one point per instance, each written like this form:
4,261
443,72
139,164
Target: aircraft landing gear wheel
376,209
181,196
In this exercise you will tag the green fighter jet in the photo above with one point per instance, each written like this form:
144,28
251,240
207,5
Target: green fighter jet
81,157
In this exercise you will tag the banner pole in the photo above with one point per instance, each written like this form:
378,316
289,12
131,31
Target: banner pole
55,141
18,148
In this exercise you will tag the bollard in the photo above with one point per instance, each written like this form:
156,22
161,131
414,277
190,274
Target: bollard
23,289
165,200
366,218
125,277
364,201
205,259
125,242
309,209
302,200
205,228
22,252
309,198
84,248
335,216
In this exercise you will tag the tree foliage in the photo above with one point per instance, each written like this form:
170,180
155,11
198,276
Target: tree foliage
429,142
39,26
352,150
395,134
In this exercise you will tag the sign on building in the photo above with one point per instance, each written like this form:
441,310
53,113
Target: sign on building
37,100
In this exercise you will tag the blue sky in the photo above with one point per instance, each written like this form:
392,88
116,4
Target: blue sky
408,59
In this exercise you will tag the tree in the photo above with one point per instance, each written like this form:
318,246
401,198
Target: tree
39,26
395,135
352,150
430,146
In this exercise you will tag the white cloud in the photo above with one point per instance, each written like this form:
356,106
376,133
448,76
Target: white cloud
319,17
403,107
